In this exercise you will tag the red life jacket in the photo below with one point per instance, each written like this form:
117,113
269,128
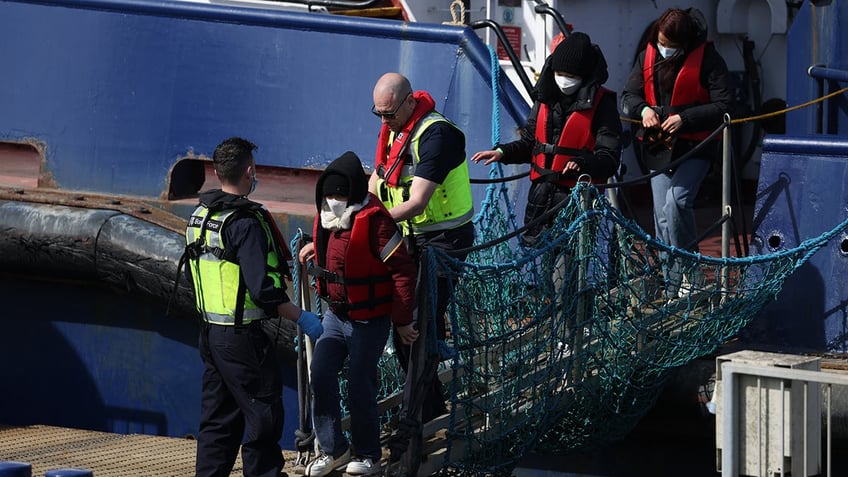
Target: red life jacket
687,91
367,281
389,160
576,137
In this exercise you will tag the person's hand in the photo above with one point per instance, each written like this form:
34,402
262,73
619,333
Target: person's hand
487,156
650,118
672,124
571,166
306,252
408,334
310,324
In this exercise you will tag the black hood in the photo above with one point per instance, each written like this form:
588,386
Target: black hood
349,166
220,200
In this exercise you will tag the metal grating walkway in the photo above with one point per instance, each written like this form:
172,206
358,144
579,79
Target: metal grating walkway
105,454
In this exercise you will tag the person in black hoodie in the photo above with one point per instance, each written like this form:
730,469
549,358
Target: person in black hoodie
367,278
573,130
237,264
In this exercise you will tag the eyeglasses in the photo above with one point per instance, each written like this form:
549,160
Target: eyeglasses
393,113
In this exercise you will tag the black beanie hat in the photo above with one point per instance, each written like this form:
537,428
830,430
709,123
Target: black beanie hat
574,55
336,183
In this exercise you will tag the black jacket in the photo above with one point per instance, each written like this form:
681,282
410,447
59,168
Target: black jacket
705,117
606,124
245,235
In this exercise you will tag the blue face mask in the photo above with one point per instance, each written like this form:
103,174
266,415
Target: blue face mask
666,52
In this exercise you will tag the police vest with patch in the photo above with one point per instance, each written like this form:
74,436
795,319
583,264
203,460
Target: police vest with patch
221,295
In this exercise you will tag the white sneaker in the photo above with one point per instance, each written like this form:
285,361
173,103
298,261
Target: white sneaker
363,466
685,288
324,464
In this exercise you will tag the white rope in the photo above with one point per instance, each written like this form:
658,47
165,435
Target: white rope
457,9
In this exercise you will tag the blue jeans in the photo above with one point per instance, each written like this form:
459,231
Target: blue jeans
363,342
674,208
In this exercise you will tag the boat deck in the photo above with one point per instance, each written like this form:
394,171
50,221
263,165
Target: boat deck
106,454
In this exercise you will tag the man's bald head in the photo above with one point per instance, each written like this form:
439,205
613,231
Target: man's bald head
394,84
393,100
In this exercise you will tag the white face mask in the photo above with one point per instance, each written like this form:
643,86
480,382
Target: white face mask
666,52
336,206
567,85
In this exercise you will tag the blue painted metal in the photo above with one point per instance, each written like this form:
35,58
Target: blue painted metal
803,190
15,469
69,472
817,38
802,193
117,91
92,358
819,72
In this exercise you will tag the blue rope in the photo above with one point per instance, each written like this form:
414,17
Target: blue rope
488,205
496,78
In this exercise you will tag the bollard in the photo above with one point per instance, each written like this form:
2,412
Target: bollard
15,469
69,473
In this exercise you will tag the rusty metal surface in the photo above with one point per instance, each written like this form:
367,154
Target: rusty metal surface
106,455
139,209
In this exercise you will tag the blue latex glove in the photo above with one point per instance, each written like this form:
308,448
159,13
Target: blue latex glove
446,351
310,324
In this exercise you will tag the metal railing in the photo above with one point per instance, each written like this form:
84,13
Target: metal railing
730,417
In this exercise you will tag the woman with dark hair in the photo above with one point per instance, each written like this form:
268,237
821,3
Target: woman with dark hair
679,90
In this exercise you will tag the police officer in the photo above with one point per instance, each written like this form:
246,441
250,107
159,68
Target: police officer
237,264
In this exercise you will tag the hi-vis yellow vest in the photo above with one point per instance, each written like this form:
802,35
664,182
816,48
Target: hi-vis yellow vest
219,288
451,204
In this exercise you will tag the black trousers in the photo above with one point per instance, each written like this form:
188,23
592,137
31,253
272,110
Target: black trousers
454,239
241,402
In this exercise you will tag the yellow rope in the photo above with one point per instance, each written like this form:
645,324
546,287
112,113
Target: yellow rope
457,9
767,115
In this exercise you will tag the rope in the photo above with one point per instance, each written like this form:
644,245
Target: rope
793,108
490,212
457,9
766,115
565,346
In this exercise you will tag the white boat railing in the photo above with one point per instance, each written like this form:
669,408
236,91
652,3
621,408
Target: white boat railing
731,373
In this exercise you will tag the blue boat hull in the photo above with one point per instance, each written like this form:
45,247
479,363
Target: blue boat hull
803,190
